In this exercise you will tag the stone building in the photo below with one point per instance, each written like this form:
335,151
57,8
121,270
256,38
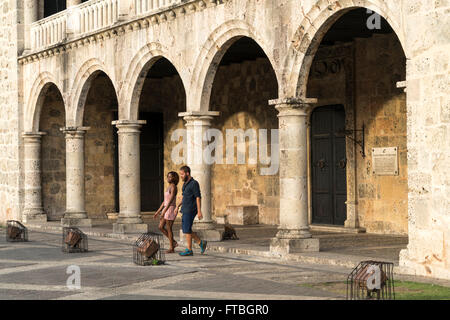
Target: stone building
93,92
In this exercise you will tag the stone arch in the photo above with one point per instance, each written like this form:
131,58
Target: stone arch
81,85
313,28
37,95
212,52
131,89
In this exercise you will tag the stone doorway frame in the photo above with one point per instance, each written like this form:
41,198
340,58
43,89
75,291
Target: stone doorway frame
346,59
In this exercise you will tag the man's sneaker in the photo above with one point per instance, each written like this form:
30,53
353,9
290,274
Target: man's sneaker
203,245
186,253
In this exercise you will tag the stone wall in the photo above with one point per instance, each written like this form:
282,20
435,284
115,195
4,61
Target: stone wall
53,153
241,93
99,147
10,181
381,106
377,63
428,107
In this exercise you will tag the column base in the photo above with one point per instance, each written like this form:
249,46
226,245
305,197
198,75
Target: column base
206,230
213,235
76,222
123,228
203,225
286,246
35,218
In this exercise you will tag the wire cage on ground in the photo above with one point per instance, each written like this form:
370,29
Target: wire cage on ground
74,240
16,231
148,249
371,280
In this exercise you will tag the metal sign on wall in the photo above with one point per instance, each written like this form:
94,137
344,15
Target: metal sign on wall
385,161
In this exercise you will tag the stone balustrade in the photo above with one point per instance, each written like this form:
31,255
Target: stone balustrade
89,17
96,14
49,31
149,6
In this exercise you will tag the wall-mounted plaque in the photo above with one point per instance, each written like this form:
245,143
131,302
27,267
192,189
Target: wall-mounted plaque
385,161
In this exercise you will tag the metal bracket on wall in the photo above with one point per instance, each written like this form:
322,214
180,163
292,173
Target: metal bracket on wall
361,142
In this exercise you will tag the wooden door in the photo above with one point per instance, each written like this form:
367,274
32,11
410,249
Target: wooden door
328,166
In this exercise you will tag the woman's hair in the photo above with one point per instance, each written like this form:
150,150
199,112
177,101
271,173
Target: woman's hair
175,177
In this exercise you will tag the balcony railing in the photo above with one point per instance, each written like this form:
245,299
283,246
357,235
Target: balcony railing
89,17
95,14
149,6
49,31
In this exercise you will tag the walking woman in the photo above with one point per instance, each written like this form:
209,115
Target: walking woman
168,210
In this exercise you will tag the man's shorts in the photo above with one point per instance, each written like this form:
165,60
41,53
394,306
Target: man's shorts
187,221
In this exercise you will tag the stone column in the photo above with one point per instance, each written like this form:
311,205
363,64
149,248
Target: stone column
129,219
125,8
71,3
73,19
30,15
75,214
197,123
293,233
33,211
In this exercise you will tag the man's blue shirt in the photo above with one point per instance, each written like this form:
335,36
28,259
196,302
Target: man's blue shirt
191,191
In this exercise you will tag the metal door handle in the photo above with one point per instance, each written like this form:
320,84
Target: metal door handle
342,164
321,164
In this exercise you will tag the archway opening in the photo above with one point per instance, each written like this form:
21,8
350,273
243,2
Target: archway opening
243,84
101,160
52,119
357,66
161,99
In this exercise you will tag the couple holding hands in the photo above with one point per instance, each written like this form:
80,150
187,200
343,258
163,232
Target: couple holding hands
190,208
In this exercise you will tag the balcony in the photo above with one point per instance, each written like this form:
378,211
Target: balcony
92,16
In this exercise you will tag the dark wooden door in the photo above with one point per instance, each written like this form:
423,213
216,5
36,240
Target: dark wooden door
152,157
328,162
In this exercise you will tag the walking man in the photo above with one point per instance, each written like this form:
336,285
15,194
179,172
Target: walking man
190,207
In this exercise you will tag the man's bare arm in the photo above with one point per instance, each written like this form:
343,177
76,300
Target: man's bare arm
199,208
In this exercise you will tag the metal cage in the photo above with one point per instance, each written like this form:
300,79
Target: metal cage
16,231
74,240
148,249
371,280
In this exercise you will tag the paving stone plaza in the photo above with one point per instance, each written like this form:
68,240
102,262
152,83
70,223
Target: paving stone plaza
38,269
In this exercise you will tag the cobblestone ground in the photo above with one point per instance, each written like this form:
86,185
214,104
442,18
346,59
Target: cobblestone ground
37,270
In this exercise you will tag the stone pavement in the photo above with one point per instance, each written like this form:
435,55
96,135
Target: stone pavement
37,270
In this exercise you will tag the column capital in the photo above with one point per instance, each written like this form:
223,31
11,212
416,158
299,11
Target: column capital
199,116
74,131
72,3
293,106
128,126
33,135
